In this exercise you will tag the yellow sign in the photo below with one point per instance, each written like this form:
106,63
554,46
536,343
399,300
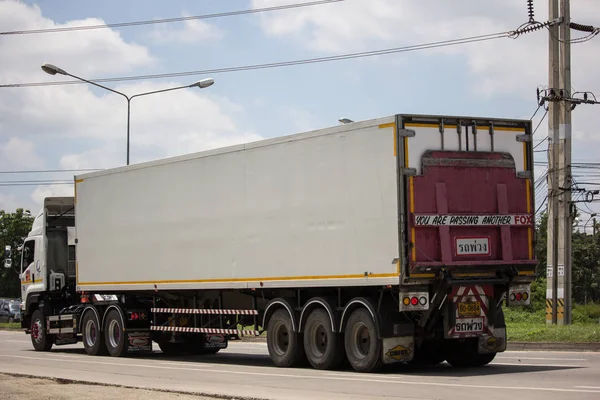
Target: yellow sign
469,309
490,344
398,353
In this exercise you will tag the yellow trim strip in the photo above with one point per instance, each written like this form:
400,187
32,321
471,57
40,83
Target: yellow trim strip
419,125
391,125
471,274
224,280
502,128
425,125
422,275
528,199
75,190
526,273
32,282
413,234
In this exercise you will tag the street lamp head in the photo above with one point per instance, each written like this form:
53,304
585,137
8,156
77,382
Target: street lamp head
204,83
52,69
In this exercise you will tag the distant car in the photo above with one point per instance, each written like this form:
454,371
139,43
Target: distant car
10,311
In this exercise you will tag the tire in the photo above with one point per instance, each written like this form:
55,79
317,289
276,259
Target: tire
171,349
40,340
114,334
285,346
91,335
363,347
466,355
430,353
324,348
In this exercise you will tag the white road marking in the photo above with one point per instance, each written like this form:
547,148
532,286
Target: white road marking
321,376
538,365
539,358
16,341
589,387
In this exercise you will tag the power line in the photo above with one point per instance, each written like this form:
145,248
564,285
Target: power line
403,49
48,171
8,183
168,20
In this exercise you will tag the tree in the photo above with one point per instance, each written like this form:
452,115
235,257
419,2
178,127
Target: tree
585,261
14,228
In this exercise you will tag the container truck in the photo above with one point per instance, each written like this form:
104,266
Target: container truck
393,240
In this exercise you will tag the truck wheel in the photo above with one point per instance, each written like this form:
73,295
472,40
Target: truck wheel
285,345
114,334
430,353
363,348
170,348
39,339
91,336
465,354
324,348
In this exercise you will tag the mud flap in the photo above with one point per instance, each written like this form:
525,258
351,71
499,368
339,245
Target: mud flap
495,343
138,341
215,341
398,349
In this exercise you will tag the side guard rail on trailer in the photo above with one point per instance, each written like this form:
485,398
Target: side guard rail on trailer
228,330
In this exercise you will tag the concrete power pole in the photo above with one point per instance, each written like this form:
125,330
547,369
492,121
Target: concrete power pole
553,166
565,179
558,293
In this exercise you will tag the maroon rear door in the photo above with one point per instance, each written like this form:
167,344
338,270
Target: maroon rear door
469,211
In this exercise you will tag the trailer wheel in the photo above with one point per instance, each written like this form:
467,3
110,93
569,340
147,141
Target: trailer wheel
363,347
430,353
285,345
114,334
324,348
39,339
465,354
91,335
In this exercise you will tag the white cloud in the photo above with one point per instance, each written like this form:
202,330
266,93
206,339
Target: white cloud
42,192
87,53
85,127
9,202
500,66
18,153
191,31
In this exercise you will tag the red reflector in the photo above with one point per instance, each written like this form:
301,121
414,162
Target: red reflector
519,296
414,301
134,315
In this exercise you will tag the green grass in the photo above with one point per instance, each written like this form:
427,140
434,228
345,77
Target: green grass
530,326
12,325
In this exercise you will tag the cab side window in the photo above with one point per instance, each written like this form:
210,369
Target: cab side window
28,254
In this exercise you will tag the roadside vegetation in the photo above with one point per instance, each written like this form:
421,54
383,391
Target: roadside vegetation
11,325
528,324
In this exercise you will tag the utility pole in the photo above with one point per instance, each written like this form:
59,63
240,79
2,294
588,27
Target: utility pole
553,165
565,178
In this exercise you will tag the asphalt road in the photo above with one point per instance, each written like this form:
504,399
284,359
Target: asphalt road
244,370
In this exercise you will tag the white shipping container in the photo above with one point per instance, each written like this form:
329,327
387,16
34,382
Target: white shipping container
314,209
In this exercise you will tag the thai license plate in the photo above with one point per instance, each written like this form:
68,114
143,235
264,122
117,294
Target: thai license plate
468,325
469,309
472,246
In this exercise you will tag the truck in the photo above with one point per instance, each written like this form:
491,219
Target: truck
398,239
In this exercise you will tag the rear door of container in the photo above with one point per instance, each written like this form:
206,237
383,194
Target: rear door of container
465,195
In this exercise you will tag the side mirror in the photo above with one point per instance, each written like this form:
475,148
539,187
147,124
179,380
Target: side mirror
7,256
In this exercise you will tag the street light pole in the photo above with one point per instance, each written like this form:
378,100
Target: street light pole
53,70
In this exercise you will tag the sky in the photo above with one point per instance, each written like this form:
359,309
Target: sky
70,127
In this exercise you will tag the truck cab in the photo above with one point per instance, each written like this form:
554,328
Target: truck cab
48,258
